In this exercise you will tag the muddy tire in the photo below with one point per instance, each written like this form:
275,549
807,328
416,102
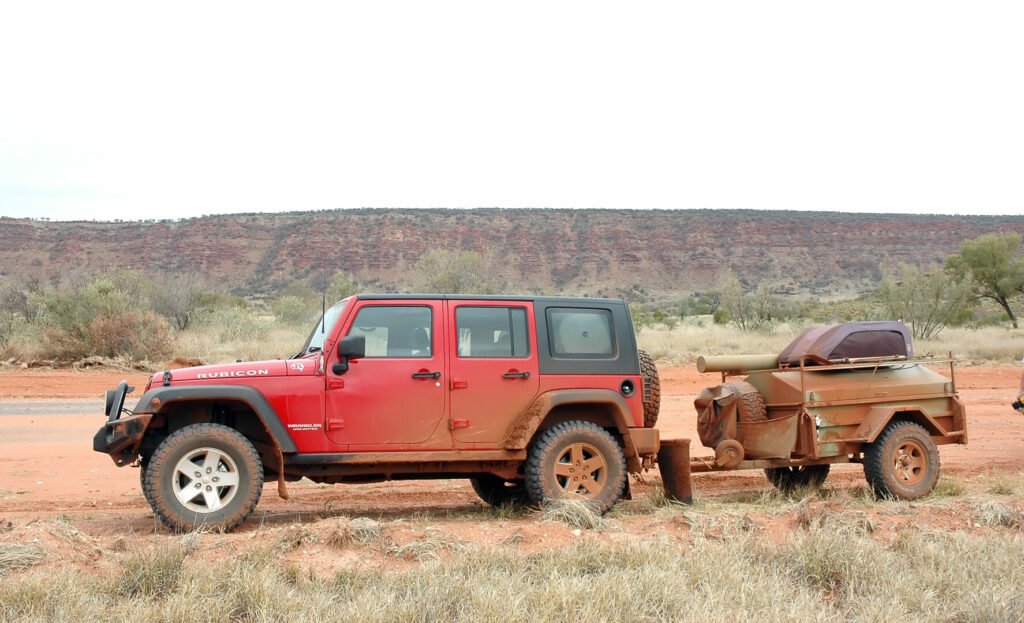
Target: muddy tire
498,491
903,462
579,459
204,475
651,389
788,479
143,466
750,405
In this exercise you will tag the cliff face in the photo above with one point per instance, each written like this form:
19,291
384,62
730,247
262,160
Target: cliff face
572,251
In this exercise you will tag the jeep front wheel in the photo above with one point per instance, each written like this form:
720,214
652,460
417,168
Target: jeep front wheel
204,475
576,459
498,491
789,479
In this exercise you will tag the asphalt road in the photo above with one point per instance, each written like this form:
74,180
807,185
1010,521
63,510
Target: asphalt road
51,407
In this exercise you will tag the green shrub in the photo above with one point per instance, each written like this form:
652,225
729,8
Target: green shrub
107,317
293,310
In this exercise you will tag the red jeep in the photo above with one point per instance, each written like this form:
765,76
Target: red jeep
530,398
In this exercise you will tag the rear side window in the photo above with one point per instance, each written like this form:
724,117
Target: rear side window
492,332
580,333
395,331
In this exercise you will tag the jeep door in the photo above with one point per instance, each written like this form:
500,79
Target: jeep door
394,397
493,362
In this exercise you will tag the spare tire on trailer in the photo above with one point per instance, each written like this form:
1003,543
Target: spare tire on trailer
750,405
651,389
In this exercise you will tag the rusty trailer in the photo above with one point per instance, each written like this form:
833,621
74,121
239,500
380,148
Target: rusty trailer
888,412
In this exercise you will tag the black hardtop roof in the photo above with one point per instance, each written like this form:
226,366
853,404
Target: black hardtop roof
489,297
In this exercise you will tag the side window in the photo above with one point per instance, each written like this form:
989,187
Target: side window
492,332
395,331
580,333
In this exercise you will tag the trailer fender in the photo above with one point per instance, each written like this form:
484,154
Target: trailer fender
878,418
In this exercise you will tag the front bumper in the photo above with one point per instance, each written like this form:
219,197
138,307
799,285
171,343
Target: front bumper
120,438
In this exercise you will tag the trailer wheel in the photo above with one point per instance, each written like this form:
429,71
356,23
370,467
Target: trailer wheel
903,462
787,479
498,491
652,389
576,459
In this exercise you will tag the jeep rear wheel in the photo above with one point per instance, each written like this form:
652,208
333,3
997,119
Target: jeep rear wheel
498,491
205,475
576,459
903,462
651,389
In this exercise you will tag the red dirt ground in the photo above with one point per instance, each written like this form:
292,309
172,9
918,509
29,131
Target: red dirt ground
48,469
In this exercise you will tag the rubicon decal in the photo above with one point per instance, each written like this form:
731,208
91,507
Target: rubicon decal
232,373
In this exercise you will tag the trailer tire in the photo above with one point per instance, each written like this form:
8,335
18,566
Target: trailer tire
903,463
750,405
651,389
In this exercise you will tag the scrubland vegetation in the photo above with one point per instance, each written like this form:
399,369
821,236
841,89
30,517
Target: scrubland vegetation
967,307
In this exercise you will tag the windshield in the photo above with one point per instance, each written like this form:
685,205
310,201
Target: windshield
322,328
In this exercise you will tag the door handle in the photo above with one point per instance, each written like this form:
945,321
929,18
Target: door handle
516,375
426,375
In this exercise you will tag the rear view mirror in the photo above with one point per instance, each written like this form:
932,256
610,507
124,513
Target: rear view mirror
352,347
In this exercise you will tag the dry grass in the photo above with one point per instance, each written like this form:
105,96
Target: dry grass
343,532
574,513
428,547
823,573
994,514
15,556
253,339
948,487
999,483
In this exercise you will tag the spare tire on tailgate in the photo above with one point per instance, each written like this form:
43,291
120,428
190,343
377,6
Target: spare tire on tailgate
651,390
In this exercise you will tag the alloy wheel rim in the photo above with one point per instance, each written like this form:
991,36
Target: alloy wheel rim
205,480
910,462
581,470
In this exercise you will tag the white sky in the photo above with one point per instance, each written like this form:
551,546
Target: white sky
160,110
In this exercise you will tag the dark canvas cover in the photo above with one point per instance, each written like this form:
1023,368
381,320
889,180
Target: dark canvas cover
849,340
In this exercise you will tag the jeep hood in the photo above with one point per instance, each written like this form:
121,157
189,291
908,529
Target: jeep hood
231,371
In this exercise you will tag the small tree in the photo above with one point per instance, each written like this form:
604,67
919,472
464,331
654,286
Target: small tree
749,311
467,272
294,310
343,285
926,300
179,298
991,265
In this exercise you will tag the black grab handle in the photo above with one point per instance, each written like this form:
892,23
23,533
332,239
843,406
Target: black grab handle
426,375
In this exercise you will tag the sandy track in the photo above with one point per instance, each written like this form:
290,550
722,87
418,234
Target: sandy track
48,468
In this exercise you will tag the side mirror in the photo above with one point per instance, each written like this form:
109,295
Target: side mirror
352,347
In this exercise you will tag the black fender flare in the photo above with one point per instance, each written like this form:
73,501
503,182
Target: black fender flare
157,399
